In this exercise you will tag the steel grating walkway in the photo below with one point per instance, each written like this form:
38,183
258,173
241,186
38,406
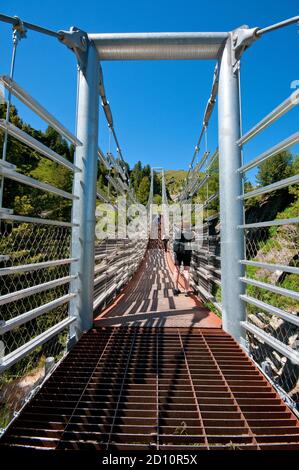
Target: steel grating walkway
133,388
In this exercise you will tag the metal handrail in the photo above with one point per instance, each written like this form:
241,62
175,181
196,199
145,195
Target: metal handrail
273,342
36,145
7,361
270,266
270,287
19,320
275,114
289,317
271,187
292,140
35,106
20,178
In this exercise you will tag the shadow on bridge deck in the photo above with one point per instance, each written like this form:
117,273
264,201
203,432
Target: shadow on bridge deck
139,387
148,299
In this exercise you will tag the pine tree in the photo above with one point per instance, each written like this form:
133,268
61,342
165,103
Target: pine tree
143,190
274,169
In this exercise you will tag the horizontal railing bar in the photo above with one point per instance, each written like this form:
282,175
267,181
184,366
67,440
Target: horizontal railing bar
277,290
116,165
271,187
203,227
102,197
100,256
34,313
279,111
5,211
20,178
196,187
211,199
18,354
215,269
118,281
270,223
273,342
106,273
35,106
207,295
8,165
289,317
207,254
100,273
201,163
270,266
205,274
102,297
21,294
292,140
35,220
212,217
35,266
27,139
212,159
102,158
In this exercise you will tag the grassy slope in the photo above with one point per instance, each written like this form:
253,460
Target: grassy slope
174,180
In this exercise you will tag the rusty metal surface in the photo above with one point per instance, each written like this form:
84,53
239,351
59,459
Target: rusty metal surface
156,388
148,300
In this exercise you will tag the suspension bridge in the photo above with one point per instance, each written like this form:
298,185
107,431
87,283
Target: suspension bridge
127,363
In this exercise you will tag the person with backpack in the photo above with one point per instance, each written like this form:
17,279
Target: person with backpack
182,252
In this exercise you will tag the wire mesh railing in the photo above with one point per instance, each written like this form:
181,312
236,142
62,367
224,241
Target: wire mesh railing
206,259
116,261
36,173
271,266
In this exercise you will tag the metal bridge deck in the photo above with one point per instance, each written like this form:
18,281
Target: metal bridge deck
136,383
153,388
148,300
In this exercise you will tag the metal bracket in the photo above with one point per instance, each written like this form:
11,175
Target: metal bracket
76,40
243,37
19,28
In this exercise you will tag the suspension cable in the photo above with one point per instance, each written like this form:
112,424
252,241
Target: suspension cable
207,116
276,26
109,118
16,36
15,39
16,22
206,139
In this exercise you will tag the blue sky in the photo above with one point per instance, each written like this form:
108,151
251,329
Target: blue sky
157,106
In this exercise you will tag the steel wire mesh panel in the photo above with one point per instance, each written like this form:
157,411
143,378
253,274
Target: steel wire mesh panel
116,261
21,380
206,262
36,232
274,245
25,244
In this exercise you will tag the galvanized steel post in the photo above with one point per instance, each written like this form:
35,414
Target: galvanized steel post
231,208
83,214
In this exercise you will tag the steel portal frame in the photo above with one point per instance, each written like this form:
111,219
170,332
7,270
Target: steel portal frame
226,48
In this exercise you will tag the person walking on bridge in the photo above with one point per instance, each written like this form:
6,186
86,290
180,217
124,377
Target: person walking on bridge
182,251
